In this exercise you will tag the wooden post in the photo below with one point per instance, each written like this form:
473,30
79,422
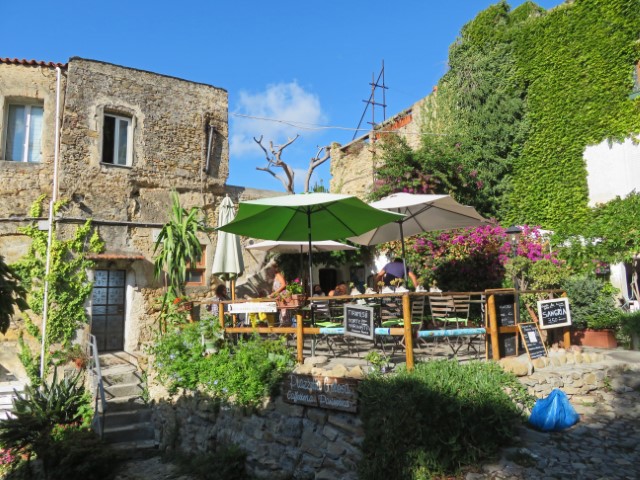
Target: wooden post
408,333
300,338
493,327
221,315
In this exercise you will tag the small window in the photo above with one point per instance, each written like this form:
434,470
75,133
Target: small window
116,140
24,133
196,273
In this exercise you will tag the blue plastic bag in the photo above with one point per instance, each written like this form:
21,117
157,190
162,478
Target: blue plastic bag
553,413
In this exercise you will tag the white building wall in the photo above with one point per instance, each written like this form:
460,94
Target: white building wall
612,170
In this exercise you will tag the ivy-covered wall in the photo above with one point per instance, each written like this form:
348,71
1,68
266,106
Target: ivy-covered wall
576,63
527,91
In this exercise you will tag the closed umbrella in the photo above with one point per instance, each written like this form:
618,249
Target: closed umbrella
309,216
227,261
421,213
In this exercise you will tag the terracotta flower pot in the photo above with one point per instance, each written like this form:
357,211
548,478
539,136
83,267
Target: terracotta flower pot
594,338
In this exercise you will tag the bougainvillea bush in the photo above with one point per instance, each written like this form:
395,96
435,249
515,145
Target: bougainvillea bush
474,259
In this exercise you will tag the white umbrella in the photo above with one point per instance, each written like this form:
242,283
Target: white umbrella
298,247
227,261
422,213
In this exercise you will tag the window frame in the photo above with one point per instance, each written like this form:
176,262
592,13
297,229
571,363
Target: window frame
199,268
25,147
118,117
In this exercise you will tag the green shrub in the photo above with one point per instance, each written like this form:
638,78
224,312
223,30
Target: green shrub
592,303
436,419
242,373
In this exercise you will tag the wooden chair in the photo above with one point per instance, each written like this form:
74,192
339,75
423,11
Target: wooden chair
450,311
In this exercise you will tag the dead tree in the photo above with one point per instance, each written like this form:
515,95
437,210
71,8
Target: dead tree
316,162
275,160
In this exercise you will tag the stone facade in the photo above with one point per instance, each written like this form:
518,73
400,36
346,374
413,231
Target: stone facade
177,134
353,166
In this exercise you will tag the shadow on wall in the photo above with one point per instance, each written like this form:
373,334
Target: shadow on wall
257,284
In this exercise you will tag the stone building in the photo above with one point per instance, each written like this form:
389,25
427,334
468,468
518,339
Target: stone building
113,142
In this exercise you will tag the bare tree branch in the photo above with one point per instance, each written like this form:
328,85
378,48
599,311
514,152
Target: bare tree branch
316,162
274,159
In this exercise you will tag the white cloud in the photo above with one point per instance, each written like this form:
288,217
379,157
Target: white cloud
286,102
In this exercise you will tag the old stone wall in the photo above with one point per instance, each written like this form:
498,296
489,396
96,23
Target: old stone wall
171,119
353,166
282,441
20,182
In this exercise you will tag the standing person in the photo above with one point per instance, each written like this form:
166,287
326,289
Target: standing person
279,283
393,270
220,296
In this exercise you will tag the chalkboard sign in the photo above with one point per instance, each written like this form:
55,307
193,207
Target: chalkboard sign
358,321
323,392
505,310
507,345
554,313
532,340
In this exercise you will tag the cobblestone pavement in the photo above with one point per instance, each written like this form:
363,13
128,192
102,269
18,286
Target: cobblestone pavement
604,444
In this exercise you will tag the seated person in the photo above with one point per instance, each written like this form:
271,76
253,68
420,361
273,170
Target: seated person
393,270
341,289
220,295
317,291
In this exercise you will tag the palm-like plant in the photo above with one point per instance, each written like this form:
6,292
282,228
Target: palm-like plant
38,412
178,246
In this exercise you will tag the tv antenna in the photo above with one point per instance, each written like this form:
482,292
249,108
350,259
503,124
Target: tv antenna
375,84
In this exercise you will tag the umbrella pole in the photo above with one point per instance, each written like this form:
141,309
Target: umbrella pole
309,256
404,261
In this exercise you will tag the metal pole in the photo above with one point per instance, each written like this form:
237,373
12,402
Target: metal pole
54,197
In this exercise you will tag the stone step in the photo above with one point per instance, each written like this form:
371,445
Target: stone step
119,375
125,403
127,417
129,433
122,390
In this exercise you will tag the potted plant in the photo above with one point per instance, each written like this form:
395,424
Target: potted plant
294,293
594,314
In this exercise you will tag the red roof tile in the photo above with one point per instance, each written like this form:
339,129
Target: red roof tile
33,63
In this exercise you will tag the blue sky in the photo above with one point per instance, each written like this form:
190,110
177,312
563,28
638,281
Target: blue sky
306,65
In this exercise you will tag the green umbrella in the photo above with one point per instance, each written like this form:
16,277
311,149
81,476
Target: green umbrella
308,216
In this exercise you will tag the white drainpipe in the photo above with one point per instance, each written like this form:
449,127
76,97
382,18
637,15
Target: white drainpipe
54,197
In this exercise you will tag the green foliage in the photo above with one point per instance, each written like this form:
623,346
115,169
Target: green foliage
610,234
40,416
29,361
630,322
12,295
227,463
178,246
592,303
437,419
525,93
69,285
576,63
242,374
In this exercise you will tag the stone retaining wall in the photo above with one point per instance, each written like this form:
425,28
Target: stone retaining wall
282,441
288,441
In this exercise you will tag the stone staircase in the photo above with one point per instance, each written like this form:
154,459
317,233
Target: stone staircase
127,418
